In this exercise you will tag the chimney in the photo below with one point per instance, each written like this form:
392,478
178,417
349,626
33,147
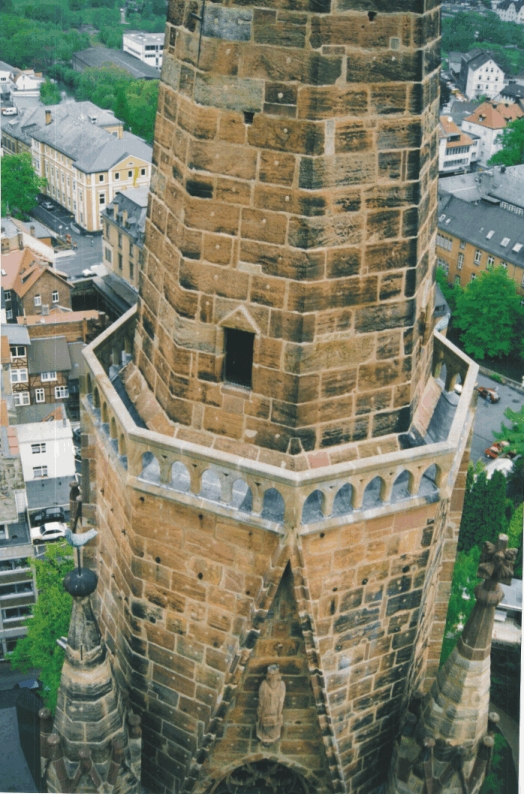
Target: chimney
20,237
48,117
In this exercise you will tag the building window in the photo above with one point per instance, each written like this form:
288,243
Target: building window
54,296
462,244
39,471
38,300
107,254
129,174
130,249
444,242
15,613
473,276
443,265
100,177
239,357
7,295
8,314
47,376
457,279
504,265
101,198
17,351
37,449
22,398
491,261
119,240
120,261
131,270
478,257
61,392
40,395
460,261
142,172
19,375
117,174
140,257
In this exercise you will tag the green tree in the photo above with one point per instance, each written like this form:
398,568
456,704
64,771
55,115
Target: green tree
515,537
20,185
515,433
484,511
462,599
450,291
512,140
49,622
50,93
489,314
141,99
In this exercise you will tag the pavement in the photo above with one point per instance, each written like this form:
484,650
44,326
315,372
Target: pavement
15,775
89,246
489,417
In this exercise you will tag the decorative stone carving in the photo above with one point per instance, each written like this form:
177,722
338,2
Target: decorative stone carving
270,705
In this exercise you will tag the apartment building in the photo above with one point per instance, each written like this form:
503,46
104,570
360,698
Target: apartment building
46,449
474,237
123,229
480,75
49,365
147,47
17,584
487,123
32,287
457,150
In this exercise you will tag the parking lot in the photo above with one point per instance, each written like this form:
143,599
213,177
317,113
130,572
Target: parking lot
89,246
489,417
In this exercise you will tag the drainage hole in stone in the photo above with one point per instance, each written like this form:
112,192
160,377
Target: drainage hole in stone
335,589
248,117
364,581
405,569
322,534
372,15
248,592
157,559
200,575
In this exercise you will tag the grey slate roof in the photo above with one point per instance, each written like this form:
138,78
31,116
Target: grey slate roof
78,362
104,56
48,492
507,3
17,334
513,90
91,148
26,414
134,202
493,184
6,67
473,222
49,355
32,118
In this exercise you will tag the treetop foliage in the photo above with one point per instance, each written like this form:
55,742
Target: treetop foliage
19,185
512,141
49,622
467,31
489,314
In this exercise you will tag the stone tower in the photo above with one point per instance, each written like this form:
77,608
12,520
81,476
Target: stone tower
273,450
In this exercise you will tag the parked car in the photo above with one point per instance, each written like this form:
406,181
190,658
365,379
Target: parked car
87,272
54,530
9,111
47,514
491,395
496,449
48,205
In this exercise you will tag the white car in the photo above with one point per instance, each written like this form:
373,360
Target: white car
87,273
53,530
9,111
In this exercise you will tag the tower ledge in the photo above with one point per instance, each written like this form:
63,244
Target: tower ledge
344,484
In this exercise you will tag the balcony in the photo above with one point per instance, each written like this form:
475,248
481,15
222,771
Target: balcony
269,496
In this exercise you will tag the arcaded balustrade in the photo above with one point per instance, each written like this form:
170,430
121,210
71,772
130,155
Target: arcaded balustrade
265,494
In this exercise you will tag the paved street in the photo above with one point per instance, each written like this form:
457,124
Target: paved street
89,250
490,417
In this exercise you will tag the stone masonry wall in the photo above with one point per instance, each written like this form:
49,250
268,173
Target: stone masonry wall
294,197
185,603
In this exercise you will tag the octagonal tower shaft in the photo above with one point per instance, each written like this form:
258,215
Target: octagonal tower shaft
287,293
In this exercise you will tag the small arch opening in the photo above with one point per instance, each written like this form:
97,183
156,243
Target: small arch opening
96,397
372,494
401,487
112,428
180,479
150,468
210,487
273,506
242,496
429,484
313,509
89,384
105,414
122,447
343,501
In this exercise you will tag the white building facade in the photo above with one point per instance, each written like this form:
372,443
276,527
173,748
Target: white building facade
46,449
147,47
511,11
480,75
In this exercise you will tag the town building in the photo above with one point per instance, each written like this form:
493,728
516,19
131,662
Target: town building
31,286
507,628
46,449
274,455
456,149
474,237
98,57
74,325
49,365
487,123
7,72
147,47
123,223
512,92
27,83
480,75
40,239
511,11
17,586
